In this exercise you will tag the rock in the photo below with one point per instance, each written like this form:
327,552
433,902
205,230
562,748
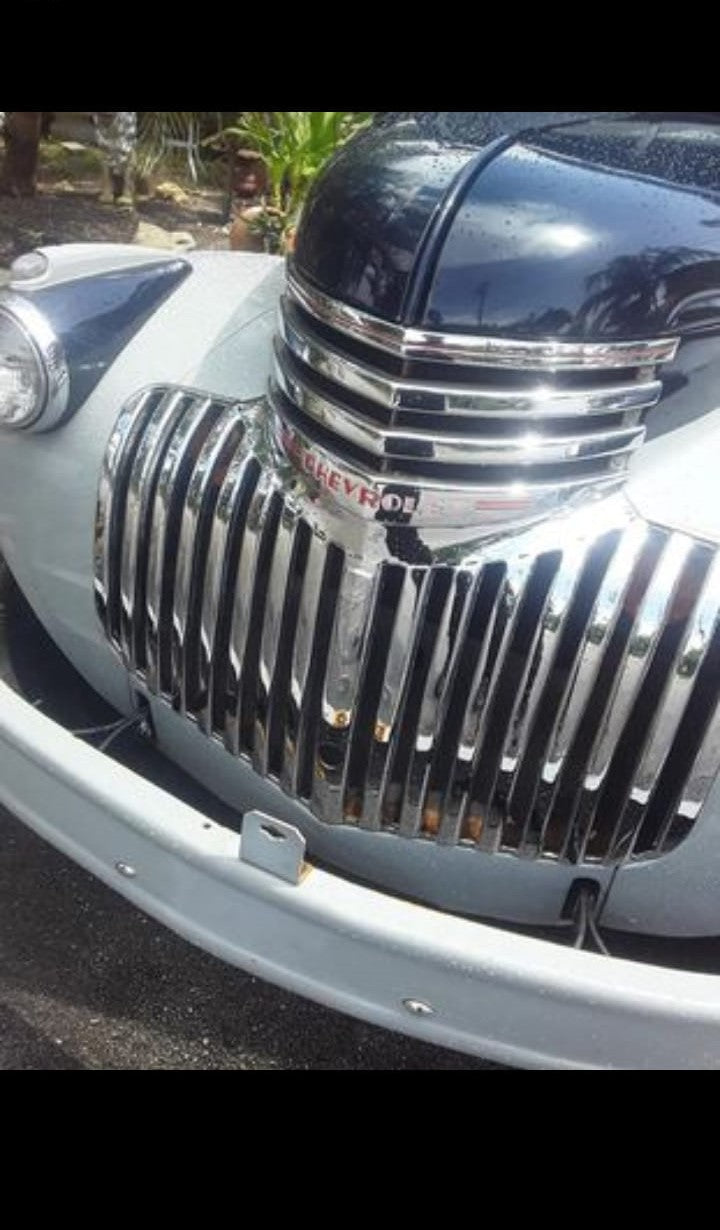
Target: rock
170,191
148,235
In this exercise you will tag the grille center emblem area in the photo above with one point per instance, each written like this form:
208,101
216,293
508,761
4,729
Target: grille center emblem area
345,484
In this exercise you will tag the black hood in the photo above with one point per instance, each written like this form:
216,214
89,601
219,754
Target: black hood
531,224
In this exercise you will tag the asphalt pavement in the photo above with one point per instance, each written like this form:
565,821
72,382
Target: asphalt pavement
87,981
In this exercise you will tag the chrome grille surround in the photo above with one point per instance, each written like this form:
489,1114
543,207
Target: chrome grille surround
543,420
550,693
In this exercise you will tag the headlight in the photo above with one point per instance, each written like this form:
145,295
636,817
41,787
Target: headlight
34,377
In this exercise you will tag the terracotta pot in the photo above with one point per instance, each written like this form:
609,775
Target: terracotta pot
247,236
243,238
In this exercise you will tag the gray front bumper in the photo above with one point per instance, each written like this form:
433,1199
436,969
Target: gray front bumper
493,993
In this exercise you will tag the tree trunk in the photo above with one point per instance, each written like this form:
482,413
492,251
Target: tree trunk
22,138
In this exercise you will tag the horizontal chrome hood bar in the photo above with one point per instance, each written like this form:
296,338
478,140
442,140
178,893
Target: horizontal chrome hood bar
543,401
413,343
527,449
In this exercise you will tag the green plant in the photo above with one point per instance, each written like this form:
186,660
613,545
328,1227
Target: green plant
294,145
59,162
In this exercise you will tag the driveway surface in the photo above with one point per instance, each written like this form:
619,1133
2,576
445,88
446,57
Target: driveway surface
87,981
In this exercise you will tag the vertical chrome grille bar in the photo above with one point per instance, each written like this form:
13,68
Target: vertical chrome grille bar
192,550
165,519
685,779
684,643
308,617
553,822
637,661
525,821
242,603
376,664
401,660
280,715
480,655
348,648
493,640
574,801
304,759
486,817
417,812
226,537
550,628
682,680
433,607
277,640
140,496
109,519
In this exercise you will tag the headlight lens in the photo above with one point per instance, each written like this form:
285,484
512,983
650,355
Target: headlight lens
33,373
22,379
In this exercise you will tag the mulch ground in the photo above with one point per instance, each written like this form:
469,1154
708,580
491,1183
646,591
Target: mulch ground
74,215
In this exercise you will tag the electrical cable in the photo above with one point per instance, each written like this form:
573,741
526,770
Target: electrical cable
586,908
597,936
582,911
99,730
127,724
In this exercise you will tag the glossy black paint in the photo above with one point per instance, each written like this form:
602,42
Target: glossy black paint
597,230
95,317
532,224
364,223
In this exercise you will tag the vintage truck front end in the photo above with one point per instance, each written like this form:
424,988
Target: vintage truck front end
405,551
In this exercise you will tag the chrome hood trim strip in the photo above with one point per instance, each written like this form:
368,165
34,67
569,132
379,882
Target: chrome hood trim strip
411,343
527,450
418,397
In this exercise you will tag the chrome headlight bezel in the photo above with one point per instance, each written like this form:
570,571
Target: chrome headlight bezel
49,354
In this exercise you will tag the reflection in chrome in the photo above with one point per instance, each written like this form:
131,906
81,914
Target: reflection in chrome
140,494
248,599
422,408
550,693
111,494
234,493
543,400
413,343
527,449
200,502
166,546
365,491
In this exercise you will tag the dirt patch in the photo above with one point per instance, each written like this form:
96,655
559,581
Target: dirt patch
67,217
68,211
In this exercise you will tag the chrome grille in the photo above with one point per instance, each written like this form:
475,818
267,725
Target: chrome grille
409,403
552,695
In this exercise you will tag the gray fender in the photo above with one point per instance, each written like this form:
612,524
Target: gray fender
214,332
